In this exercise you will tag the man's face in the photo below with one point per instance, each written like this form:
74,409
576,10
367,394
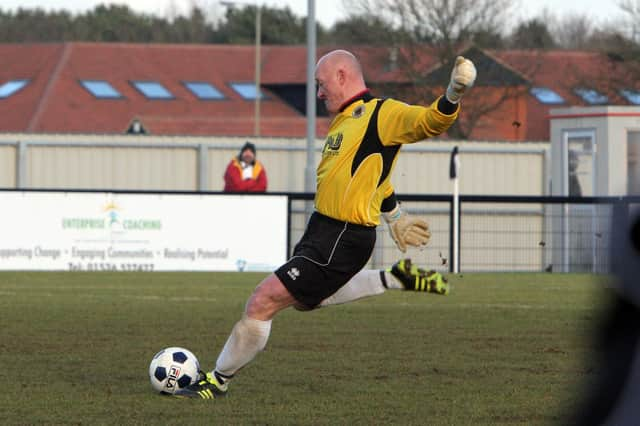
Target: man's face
329,87
247,156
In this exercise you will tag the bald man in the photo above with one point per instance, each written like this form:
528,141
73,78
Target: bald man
353,191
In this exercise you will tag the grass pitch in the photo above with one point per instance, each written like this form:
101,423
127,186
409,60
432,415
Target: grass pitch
501,349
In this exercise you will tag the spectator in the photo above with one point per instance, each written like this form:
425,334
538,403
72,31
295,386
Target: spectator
245,173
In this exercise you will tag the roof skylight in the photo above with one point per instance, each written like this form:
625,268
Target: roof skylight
203,90
633,96
12,86
591,96
546,95
152,90
246,90
100,89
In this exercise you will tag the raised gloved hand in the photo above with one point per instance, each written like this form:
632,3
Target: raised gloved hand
405,229
462,78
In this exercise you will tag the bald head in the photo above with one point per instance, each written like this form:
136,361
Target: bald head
339,77
342,59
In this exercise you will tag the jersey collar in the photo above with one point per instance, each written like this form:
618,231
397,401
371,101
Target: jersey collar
364,96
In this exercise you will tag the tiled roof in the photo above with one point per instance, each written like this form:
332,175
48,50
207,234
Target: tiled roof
54,101
563,71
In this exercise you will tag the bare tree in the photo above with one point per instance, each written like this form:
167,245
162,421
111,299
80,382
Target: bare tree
532,34
619,43
444,24
573,31
632,10
622,45
433,33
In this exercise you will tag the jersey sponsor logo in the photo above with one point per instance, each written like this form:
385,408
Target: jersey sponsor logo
293,273
332,144
359,111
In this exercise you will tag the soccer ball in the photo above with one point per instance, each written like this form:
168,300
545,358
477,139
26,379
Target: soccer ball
172,369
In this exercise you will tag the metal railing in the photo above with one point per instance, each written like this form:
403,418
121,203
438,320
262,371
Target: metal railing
497,233
503,233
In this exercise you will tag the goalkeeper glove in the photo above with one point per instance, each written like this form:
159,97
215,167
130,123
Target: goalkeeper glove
462,78
405,229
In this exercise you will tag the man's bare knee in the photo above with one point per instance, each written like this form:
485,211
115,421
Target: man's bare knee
269,298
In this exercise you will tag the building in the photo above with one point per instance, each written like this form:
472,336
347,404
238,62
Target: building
170,89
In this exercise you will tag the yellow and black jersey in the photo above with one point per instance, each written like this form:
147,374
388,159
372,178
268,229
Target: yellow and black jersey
360,151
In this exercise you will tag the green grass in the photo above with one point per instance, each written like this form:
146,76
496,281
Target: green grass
501,349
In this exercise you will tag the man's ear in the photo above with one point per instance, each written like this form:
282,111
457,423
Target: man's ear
342,76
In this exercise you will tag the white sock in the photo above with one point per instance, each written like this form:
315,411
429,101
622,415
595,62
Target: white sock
248,337
363,284
392,282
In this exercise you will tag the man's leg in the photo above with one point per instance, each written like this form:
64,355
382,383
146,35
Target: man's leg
402,275
366,283
248,337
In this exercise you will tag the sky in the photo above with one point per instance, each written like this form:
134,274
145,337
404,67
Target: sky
327,11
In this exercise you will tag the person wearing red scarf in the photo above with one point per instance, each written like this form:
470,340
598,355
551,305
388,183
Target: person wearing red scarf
245,173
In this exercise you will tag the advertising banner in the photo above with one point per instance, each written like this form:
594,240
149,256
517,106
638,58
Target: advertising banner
141,232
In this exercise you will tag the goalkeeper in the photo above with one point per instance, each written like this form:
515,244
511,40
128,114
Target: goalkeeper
353,191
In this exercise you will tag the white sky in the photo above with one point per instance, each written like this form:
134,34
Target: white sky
327,11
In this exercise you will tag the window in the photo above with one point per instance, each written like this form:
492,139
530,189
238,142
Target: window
591,96
100,89
546,95
580,164
203,91
11,87
633,96
633,163
152,90
246,90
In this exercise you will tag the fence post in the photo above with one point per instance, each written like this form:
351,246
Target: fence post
289,224
454,169
451,249
203,167
619,232
21,165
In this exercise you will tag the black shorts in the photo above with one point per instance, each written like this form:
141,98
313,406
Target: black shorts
329,253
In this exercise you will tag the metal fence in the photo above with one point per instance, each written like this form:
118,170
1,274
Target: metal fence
156,163
497,233
501,233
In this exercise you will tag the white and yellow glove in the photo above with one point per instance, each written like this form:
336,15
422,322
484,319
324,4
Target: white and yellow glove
406,230
462,78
